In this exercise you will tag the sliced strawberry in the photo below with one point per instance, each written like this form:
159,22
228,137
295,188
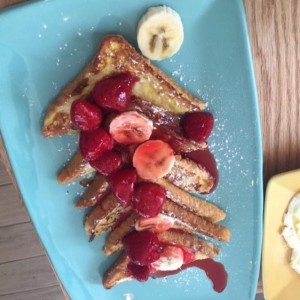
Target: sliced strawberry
108,162
131,128
85,115
113,93
198,126
153,159
122,183
93,144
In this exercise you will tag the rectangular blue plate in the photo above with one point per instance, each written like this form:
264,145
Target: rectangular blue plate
43,45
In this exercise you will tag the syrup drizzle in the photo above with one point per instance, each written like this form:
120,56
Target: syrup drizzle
215,271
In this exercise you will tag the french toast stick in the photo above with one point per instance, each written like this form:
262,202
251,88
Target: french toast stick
116,55
75,168
199,206
98,189
104,216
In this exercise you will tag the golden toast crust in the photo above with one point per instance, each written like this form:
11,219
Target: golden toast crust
116,55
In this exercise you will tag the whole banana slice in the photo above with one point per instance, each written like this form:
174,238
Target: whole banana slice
160,33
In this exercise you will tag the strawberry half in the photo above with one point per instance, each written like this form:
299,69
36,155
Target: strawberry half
122,183
93,144
198,126
148,199
85,115
113,93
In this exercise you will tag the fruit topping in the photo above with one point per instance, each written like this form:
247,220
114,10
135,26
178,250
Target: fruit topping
157,224
172,258
140,273
113,93
142,247
153,159
197,126
148,199
108,162
93,144
85,115
160,32
131,128
122,184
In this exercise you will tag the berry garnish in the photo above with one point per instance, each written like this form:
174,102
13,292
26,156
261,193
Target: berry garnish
93,144
113,93
131,128
122,183
108,162
142,247
197,126
148,199
140,273
85,115
153,159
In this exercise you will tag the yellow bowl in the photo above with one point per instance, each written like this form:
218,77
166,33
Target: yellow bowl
280,281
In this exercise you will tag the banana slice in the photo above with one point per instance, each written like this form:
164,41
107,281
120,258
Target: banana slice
160,33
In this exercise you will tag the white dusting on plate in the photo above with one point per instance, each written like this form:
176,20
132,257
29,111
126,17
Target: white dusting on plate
128,296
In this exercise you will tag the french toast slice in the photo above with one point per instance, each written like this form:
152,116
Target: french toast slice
202,249
116,55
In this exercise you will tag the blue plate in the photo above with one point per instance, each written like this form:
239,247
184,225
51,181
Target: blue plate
45,44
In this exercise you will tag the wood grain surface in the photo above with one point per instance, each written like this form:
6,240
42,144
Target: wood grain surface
274,29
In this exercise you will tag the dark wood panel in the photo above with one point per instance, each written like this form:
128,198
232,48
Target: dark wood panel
4,178
19,242
48,293
25,275
12,210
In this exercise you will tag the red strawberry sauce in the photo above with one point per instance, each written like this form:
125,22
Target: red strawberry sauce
215,271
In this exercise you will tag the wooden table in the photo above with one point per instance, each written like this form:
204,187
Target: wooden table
274,26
